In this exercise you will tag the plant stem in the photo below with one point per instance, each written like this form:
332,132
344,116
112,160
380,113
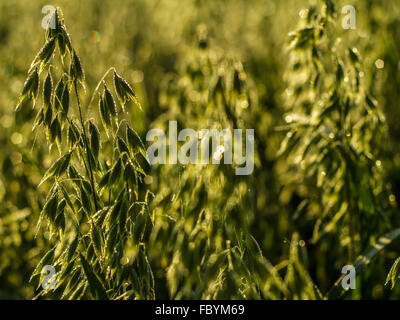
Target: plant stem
87,147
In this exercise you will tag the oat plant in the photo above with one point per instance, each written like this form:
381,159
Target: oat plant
333,142
96,209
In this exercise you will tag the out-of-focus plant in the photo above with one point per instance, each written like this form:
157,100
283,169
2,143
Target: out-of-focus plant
204,213
335,133
333,143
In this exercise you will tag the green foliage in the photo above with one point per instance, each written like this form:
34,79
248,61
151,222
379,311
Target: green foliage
77,192
335,129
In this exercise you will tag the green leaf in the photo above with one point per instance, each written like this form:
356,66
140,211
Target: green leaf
65,99
39,119
123,213
95,286
55,130
116,172
47,90
97,240
122,147
124,91
67,39
130,174
143,163
30,89
115,212
72,248
111,239
48,117
78,292
58,96
46,52
104,179
94,139
339,73
77,68
109,102
105,115
57,168
44,261
74,280
354,56
64,164
85,200
393,274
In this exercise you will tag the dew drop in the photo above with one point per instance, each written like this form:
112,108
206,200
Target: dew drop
288,119
379,64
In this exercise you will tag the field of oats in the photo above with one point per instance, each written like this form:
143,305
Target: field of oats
85,215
